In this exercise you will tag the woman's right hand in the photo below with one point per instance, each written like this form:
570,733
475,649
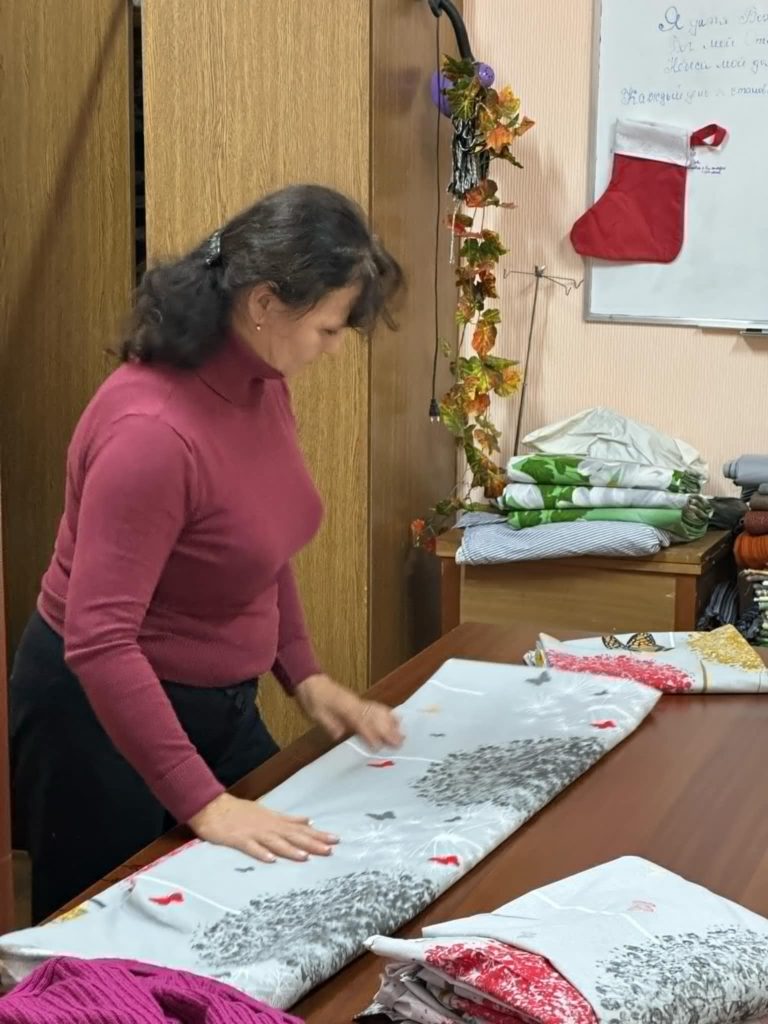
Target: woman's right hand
259,832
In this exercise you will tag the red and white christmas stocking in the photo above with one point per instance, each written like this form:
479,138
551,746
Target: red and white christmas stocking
641,215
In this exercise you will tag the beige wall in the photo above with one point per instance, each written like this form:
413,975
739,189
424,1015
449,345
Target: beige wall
709,388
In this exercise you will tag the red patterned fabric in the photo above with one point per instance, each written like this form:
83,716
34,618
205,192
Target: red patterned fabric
657,674
526,983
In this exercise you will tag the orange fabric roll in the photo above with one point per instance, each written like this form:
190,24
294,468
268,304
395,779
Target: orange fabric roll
751,552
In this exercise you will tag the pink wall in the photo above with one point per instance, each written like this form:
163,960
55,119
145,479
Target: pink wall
709,388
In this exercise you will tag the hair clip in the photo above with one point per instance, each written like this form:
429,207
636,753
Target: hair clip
213,249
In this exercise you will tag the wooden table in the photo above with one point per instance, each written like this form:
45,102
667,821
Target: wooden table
687,790
666,591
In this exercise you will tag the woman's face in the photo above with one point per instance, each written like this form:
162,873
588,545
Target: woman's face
289,341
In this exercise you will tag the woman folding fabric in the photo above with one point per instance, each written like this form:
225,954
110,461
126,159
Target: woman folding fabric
170,590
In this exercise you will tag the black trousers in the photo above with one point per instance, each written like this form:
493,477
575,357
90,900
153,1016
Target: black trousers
79,808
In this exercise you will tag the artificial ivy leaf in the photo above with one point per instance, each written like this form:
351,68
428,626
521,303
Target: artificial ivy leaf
463,99
490,248
486,441
467,389
524,126
470,250
479,404
492,316
460,224
485,424
447,506
475,463
510,382
474,371
482,194
465,310
498,138
507,155
484,338
464,367
498,363
495,483
486,284
508,103
486,119
453,417
453,67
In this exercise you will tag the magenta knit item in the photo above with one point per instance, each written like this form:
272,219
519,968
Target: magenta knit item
65,991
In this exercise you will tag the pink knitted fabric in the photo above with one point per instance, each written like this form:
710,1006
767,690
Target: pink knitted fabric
65,990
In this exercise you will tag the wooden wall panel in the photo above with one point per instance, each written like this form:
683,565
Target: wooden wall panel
66,260
413,461
240,98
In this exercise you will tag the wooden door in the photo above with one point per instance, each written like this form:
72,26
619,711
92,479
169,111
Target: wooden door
66,252
6,866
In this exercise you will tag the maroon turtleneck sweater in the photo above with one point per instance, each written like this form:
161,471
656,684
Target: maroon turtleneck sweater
186,499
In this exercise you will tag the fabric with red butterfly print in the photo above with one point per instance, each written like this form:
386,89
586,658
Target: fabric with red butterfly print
627,942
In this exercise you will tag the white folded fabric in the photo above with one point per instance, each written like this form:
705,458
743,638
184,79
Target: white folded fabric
639,944
605,434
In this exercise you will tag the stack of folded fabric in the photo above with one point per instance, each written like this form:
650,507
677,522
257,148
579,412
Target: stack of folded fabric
626,941
750,473
759,582
596,484
545,489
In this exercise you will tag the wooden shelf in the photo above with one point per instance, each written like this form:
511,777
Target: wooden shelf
666,591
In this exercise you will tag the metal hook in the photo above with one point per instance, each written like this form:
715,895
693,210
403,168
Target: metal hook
439,7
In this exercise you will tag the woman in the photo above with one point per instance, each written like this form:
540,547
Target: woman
186,499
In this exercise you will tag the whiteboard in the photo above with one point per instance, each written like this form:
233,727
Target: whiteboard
689,64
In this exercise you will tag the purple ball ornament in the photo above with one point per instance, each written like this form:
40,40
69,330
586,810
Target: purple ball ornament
438,87
486,74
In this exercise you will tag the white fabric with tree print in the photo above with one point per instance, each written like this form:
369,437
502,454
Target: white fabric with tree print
624,943
487,746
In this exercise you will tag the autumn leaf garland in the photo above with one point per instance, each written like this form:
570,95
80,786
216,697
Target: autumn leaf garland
495,122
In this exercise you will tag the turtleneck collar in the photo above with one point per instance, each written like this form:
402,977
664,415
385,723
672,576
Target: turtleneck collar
233,369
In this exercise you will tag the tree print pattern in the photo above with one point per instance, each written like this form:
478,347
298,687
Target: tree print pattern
521,775
708,977
314,931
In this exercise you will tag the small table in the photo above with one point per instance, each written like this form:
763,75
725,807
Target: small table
685,790
663,592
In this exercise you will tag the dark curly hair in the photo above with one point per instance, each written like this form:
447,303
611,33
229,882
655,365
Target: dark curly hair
304,241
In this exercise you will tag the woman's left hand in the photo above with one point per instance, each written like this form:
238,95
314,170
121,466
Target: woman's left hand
341,713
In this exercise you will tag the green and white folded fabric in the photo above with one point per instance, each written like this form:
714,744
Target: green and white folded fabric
578,471
686,524
526,497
